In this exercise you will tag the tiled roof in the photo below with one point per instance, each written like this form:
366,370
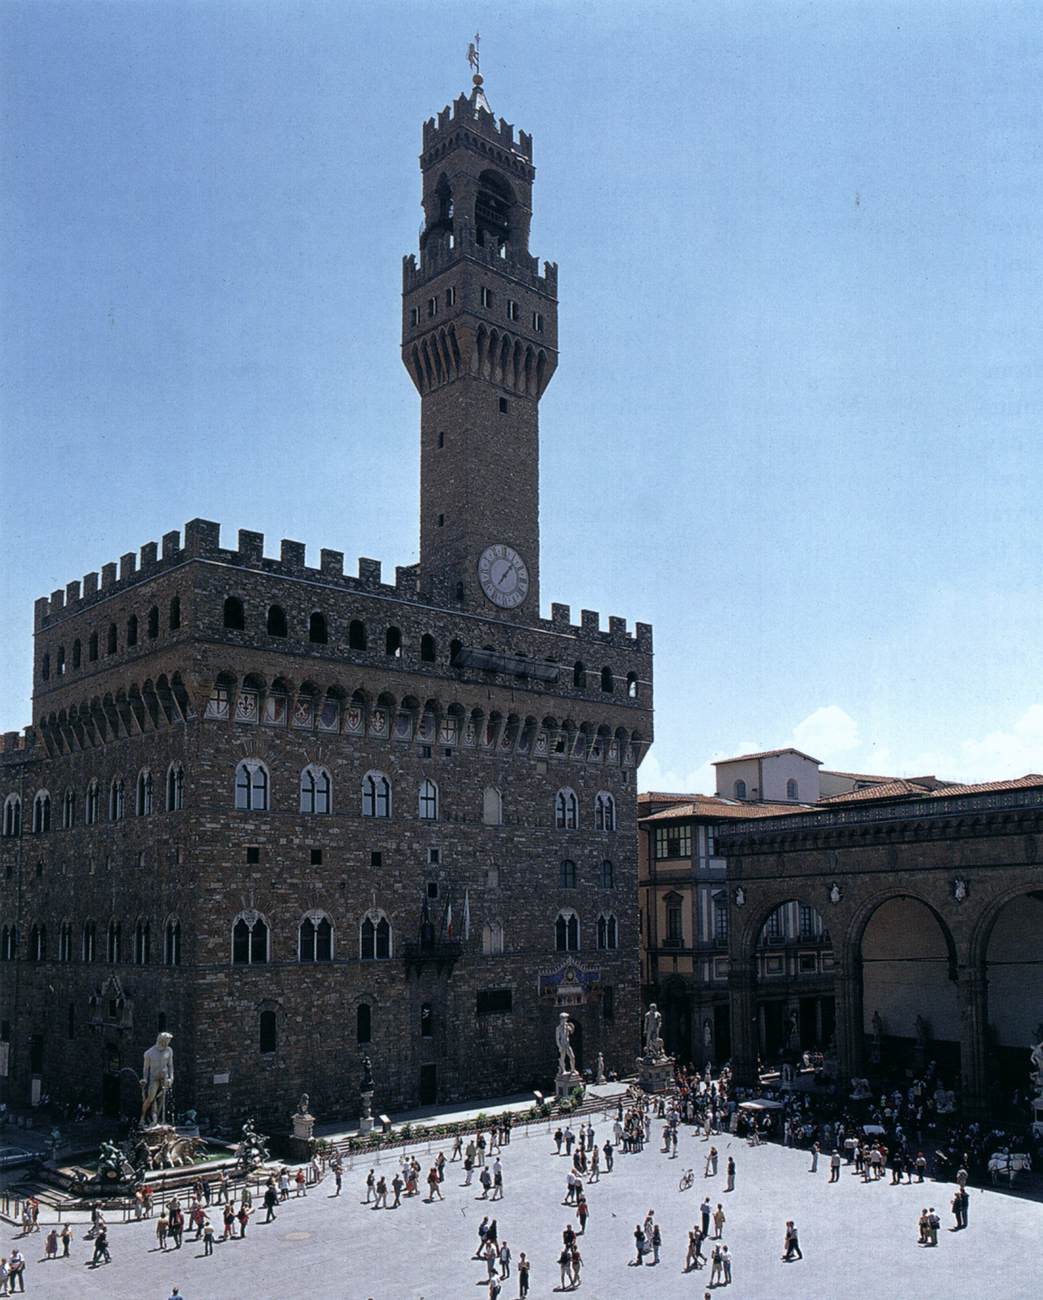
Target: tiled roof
931,788
767,753
858,776
707,805
656,796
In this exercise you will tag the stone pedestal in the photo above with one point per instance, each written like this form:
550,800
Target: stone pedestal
366,1121
655,1074
301,1137
565,1083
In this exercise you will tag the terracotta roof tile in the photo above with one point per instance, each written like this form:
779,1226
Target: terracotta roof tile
708,805
767,753
931,788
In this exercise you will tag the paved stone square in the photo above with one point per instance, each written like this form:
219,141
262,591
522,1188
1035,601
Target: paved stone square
858,1239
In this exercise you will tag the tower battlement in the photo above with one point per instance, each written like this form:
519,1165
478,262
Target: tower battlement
464,113
438,255
202,541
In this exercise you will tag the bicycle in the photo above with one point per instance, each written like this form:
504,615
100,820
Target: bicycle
687,1179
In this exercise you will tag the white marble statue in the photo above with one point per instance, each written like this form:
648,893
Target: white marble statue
563,1037
653,1024
1036,1058
600,1076
157,1080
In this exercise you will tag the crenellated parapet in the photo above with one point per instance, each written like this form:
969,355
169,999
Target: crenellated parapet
201,541
464,115
439,255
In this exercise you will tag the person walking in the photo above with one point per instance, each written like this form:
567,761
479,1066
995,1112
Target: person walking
16,1271
523,1276
338,1176
505,1260
575,1264
639,1245
101,1248
582,1212
718,1222
433,1187
371,1184
66,1240
726,1265
716,1266
730,1185
271,1199
792,1242
243,1217
607,1148
834,1166
458,1148
704,1213
301,1181
657,1241
50,1247
486,1180
483,1232
162,1227
497,1180
694,1258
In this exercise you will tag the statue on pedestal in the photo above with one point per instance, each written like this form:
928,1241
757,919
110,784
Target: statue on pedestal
600,1075
1036,1057
563,1038
157,1080
653,1041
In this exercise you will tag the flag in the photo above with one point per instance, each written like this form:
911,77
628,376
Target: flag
467,915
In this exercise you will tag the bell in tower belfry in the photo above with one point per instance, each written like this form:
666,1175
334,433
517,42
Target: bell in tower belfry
479,339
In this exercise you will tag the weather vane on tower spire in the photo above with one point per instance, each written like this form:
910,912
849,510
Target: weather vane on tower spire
473,56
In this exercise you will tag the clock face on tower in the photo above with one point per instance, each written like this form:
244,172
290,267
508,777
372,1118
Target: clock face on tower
503,575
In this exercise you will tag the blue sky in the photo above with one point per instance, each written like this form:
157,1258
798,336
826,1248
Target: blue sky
796,420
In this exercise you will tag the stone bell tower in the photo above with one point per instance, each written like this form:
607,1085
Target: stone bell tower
479,339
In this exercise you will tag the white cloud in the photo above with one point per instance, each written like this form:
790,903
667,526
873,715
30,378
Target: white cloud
827,731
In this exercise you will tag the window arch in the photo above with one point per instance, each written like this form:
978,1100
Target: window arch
251,786
8,943
608,931
316,790
608,683
267,1031
112,639
234,614
116,801
608,875
566,931
153,623
375,937
90,803
38,943
12,817
393,642
142,943
41,812
92,647
88,941
492,806
318,630
175,787
172,942
65,942
579,674
428,801
174,614
376,795
132,631
77,653
276,624
315,938
791,789
492,938
632,688
428,649
143,797
357,635
566,810
720,917
114,943
45,666
251,939
68,810
740,789
363,1023
604,812
567,874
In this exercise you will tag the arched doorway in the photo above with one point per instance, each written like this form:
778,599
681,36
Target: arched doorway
794,1006
910,996
1014,989
677,1020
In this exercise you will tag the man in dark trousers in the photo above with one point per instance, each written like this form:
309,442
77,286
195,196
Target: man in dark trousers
271,1199
792,1242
